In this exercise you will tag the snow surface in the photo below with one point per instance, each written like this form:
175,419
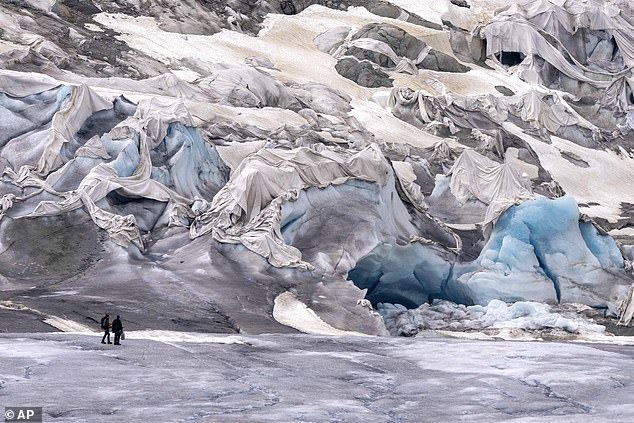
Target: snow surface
287,41
592,184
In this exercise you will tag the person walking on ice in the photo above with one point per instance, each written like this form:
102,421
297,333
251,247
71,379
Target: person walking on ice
117,328
105,325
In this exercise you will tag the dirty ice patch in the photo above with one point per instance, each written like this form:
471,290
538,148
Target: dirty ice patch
59,323
10,305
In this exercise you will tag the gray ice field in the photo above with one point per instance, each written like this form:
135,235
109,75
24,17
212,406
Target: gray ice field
175,377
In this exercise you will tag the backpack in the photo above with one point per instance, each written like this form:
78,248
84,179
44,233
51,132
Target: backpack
104,325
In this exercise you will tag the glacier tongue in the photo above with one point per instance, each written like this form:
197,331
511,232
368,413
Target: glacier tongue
211,156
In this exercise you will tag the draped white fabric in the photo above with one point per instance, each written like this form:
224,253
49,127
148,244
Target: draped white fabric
247,209
499,185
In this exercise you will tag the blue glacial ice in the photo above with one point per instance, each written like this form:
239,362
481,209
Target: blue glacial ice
603,247
409,275
186,163
539,251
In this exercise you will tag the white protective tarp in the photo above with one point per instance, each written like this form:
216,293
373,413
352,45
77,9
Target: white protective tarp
499,185
6,202
94,149
149,125
616,96
519,36
626,308
83,102
404,172
483,110
80,104
247,209
21,84
245,87
403,64
537,28
448,108
531,107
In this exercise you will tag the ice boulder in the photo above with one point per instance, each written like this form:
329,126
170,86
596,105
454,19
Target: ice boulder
539,251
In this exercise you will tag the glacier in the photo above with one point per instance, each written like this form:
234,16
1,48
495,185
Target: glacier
318,210
425,152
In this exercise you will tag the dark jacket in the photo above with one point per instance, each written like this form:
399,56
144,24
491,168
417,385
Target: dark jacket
105,323
116,325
